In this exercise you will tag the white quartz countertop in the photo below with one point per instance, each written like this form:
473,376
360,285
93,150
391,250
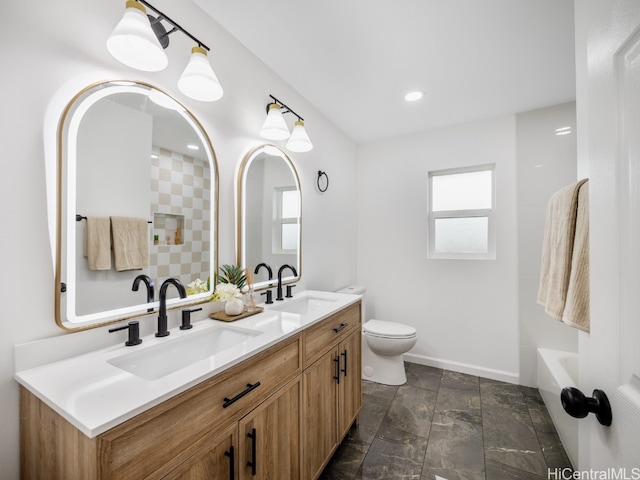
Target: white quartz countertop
94,395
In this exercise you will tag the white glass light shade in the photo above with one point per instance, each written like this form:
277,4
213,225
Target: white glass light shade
299,140
133,42
274,126
198,80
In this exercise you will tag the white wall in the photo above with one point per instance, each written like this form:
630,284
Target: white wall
546,163
52,47
465,311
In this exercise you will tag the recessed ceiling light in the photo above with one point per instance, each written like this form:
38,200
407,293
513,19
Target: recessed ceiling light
191,146
154,155
413,96
563,131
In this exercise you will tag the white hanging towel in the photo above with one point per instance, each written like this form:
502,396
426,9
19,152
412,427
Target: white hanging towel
558,253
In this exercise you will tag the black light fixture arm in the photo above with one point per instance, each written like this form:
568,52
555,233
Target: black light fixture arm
287,108
176,26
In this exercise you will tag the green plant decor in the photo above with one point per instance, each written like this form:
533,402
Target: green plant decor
232,274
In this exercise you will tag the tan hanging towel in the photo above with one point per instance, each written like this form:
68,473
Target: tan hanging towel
130,243
97,241
576,309
557,249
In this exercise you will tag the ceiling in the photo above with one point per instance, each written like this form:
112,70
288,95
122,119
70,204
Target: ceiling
354,60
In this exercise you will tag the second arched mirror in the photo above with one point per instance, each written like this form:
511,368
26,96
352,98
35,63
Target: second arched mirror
269,216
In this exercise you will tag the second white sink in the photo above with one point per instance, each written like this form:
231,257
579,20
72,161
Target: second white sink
168,357
304,305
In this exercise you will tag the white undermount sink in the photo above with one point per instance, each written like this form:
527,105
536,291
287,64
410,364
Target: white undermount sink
160,360
304,305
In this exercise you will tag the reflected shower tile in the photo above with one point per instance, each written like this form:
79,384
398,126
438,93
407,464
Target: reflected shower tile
412,410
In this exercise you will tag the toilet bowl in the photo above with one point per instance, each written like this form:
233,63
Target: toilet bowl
383,344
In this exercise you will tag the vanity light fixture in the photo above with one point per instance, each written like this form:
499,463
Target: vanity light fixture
275,127
139,41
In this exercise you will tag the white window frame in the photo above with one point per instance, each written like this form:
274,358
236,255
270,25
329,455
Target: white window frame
489,213
279,220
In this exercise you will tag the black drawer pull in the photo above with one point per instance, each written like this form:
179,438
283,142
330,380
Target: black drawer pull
341,327
254,447
232,461
229,401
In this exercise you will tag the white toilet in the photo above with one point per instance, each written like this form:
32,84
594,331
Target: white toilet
383,344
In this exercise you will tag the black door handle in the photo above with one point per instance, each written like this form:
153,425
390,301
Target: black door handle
337,375
344,370
577,405
232,461
254,452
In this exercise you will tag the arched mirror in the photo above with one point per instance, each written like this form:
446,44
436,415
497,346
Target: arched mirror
137,204
269,215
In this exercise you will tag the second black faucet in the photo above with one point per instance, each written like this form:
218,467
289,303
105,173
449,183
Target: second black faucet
162,314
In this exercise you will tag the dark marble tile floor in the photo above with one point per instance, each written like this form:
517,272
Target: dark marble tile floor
455,426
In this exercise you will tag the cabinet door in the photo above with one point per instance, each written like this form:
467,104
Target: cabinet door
350,388
216,459
319,414
270,437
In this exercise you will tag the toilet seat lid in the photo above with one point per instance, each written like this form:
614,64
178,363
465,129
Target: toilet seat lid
382,328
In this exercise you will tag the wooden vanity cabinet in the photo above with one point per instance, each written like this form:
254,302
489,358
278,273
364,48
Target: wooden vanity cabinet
332,386
182,437
226,427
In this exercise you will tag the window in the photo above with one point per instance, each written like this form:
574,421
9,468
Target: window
287,220
461,213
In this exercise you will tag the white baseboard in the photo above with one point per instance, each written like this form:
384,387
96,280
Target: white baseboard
509,377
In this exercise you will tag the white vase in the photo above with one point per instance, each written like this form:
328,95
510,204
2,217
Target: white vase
234,307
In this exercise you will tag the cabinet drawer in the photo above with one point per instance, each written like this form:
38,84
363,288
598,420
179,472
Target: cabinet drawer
174,426
329,332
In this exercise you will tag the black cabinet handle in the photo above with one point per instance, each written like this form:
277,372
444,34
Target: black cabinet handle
341,327
232,461
337,375
229,401
254,453
577,405
344,370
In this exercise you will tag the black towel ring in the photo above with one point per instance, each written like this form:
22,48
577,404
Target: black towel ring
319,181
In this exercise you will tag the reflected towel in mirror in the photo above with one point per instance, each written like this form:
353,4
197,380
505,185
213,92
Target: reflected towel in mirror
130,243
97,243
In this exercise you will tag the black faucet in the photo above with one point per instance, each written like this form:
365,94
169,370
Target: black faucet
162,315
149,284
255,272
283,267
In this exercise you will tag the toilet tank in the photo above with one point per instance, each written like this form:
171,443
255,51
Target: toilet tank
353,289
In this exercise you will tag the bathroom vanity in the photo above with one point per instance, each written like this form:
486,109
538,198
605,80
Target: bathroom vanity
275,405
